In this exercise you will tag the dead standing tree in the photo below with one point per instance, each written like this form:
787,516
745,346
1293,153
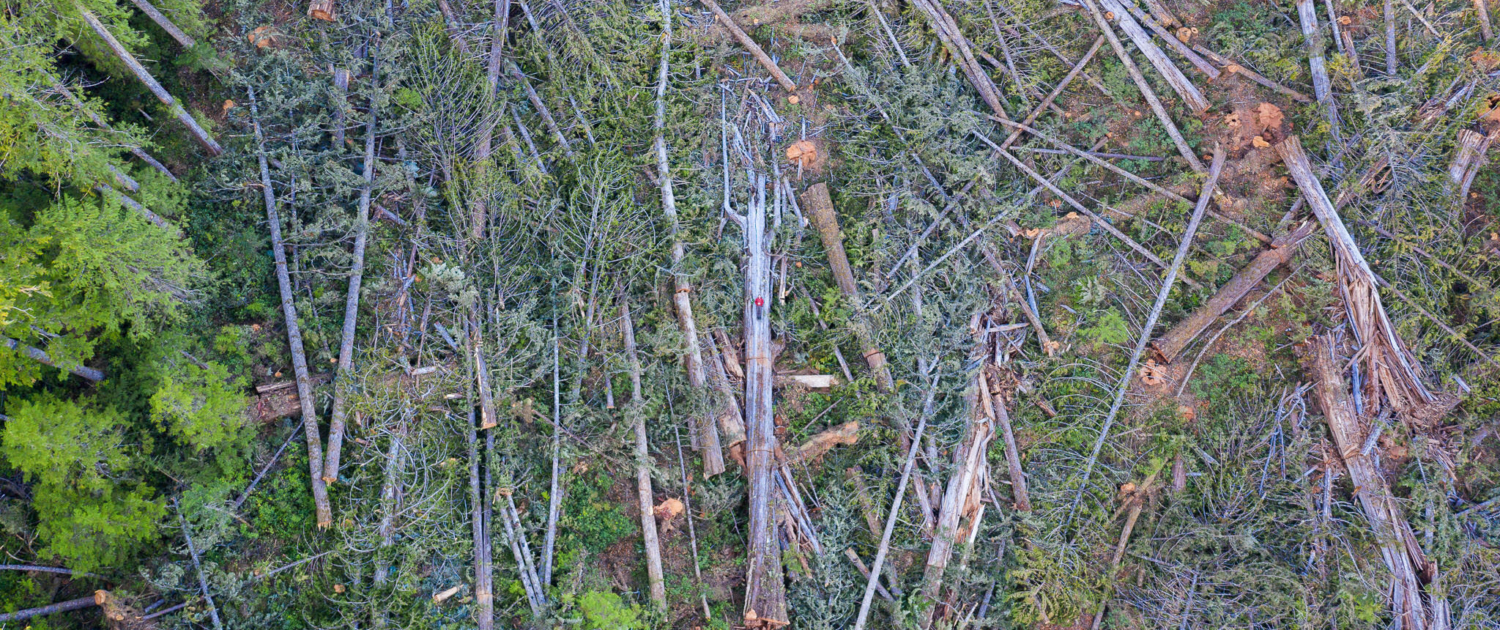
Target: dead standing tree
293,333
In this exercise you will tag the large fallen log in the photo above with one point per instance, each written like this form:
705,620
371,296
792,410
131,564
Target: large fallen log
1393,369
1409,566
636,412
820,212
958,45
1154,54
1168,346
765,594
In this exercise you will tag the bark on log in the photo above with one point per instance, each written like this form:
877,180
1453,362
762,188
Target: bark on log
1168,346
705,433
97,599
1483,10
1159,60
351,300
145,77
1393,369
1307,16
139,153
541,108
765,594
41,356
165,24
636,412
750,45
958,45
321,10
213,611
1172,41
293,332
1408,565
820,212
730,416
994,406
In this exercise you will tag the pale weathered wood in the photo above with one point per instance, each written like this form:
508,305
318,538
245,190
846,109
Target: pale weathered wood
755,50
995,406
40,356
1307,16
954,40
1481,7
145,78
1468,156
1184,87
165,24
970,470
636,412
293,332
1172,41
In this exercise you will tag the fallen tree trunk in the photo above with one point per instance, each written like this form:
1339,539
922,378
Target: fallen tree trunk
1171,40
958,45
213,611
41,356
1409,566
750,45
765,594
150,82
97,599
1168,346
1467,159
166,24
138,152
1239,69
293,332
1159,60
1307,16
1391,366
351,300
729,416
820,211
994,405
636,413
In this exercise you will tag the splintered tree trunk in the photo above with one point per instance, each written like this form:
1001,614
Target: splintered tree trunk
730,416
293,332
1467,159
1407,563
765,594
954,40
321,10
145,77
637,414
706,434
1307,15
1154,54
351,303
1391,365
820,211
41,356
1168,346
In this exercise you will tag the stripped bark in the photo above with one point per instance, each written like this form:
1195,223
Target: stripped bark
145,78
704,432
1140,83
958,45
1169,71
1307,16
1467,159
636,413
820,212
1409,566
1167,347
750,45
166,24
1393,369
765,594
41,356
351,300
293,332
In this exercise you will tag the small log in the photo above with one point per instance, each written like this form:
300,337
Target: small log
994,406
1238,69
293,332
687,502
872,520
213,611
541,108
41,356
1409,566
636,412
865,571
97,599
1167,347
165,24
1307,16
1390,38
1136,501
954,40
150,82
1483,10
390,502
321,10
750,45
1140,83
264,469
820,212
1159,60
341,85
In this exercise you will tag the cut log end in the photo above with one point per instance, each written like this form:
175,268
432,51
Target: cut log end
321,10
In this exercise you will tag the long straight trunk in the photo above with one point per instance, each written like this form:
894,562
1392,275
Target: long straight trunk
293,332
390,502
41,356
97,599
765,594
1408,565
820,211
479,213
165,24
138,152
957,44
1171,40
484,605
750,45
351,301
996,408
1154,54
705,433
637,415
150,82
1307,16
541,109
1168,346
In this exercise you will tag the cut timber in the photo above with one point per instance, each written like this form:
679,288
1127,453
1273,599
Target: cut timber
820,444
97,599
1407,563
321,10
166,24
1172,41
750,45
145,77
820,212
1140,83
765,594
293,332
1154,54
41,356
636,412
994,405
1307,15
810,381
704,432
1391,365
953,39
1170,345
